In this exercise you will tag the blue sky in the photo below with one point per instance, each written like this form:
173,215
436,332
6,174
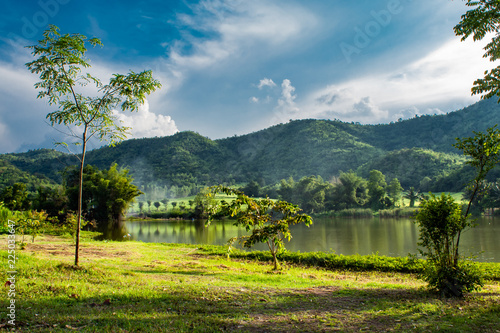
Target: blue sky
231,67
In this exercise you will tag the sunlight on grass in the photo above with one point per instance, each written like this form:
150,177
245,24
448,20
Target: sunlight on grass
134,286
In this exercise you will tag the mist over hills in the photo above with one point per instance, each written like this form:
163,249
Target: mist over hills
415,150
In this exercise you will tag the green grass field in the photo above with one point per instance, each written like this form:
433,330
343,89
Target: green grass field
150,287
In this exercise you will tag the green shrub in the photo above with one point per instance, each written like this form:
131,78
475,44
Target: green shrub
441,222
451,281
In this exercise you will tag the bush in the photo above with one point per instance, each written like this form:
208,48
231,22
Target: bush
441,222
451,281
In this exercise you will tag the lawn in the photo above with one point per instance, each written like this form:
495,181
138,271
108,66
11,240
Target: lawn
149,287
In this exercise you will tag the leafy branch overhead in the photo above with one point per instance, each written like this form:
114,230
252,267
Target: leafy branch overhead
268,220
481,21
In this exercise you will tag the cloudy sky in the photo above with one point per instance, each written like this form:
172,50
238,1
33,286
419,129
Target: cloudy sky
233,67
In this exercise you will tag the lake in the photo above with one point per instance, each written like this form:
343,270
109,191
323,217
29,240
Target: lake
390,237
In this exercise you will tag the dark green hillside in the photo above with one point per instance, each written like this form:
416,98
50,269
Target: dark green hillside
45,164
9,174
181,159
299,148
412,166
435,132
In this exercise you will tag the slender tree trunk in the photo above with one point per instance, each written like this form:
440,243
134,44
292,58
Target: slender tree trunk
476,188
80,195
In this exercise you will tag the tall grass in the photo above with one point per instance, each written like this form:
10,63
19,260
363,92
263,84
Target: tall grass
405,212
354,212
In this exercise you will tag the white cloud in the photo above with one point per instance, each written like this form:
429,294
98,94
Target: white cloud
254,99
242,27
441,79
286,108
265,82
144,123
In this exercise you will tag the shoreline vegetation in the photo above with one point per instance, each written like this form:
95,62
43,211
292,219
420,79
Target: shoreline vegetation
345,213
131,286
184,210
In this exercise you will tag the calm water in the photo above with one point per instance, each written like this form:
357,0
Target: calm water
391,237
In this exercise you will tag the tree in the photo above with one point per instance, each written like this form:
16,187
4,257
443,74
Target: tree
157,205
15,197
492,197
203,203
394,190
376,189
51,200
311,193
107,194
165,203
483,151
352,192
441,221
268,220
252,189
286,190
481,21
412,195
59,62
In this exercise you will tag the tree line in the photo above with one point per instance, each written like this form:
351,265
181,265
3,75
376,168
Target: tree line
348,190
106,196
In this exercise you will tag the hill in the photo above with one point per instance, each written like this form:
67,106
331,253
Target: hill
412,150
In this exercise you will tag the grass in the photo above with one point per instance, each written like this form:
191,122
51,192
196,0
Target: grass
151,287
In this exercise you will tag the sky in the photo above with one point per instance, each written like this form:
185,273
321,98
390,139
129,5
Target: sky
232,67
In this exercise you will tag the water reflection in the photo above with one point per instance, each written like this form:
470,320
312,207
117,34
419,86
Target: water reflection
391,237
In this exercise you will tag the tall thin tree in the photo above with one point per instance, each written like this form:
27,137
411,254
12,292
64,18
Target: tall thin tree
60,61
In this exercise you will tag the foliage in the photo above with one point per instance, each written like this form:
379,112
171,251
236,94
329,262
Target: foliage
30,223
412,166
107,194
394,191
412,195
13,170
59,62
268,220
453,281
441,221
15,197
481,21
203,203
377,190
353,192
5,215
53,201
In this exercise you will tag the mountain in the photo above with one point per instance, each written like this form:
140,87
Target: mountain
415,150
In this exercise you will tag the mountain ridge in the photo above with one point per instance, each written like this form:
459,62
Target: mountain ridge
295,149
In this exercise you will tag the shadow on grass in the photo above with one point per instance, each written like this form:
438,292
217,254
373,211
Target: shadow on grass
219,309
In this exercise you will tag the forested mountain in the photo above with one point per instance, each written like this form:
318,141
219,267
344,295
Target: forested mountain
417,151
